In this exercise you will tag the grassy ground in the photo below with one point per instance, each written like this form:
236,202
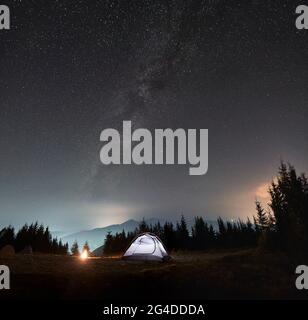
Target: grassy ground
244,274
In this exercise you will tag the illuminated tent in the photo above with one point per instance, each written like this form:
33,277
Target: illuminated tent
146,246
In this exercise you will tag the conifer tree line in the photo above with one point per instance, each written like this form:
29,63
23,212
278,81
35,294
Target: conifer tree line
34,235
202,235
282,225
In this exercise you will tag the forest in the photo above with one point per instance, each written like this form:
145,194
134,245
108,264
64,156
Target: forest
35,236
281,225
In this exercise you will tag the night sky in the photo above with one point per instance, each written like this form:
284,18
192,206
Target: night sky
70,69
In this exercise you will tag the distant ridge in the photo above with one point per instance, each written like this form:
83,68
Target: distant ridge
96,237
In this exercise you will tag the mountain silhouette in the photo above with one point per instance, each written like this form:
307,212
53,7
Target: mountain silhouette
96,237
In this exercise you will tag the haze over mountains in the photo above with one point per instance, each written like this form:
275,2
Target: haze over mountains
96,237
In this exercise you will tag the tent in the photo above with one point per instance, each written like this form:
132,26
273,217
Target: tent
146,246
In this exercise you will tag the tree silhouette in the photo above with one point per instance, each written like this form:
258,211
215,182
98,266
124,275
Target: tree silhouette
182,234
143,227
289,204
86,247
33,235
75,249
203,236
7,236
261,219
168,236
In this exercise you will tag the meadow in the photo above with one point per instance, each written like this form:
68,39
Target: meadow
232,274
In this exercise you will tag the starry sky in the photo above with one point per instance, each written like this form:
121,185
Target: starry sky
70,69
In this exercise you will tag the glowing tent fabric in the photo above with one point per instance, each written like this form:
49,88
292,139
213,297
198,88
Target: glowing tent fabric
146,246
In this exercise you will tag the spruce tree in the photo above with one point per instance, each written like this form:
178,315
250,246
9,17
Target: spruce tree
86,247
7,236
182,234
289,204
261,218
75,249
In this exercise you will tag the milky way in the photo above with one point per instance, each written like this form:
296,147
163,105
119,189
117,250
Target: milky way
70,69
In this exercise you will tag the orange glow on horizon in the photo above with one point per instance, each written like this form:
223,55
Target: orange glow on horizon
262,191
